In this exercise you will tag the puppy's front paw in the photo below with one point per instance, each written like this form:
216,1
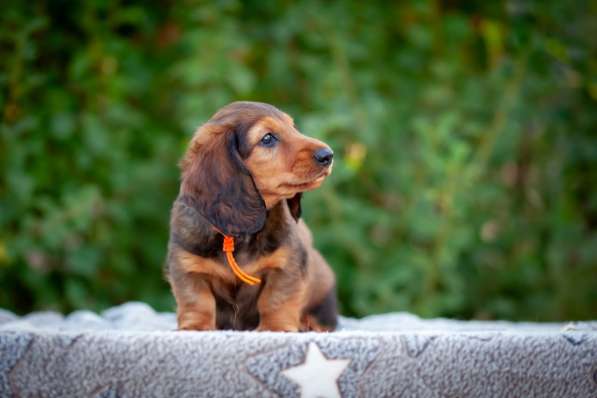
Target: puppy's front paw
265,327
189,328
192,321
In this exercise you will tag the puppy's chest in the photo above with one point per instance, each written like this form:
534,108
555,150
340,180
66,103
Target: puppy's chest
253,263
202,247
216,266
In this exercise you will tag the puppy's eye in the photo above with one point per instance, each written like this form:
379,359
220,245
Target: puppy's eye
269,140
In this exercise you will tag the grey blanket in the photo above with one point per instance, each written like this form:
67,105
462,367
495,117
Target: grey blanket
132,351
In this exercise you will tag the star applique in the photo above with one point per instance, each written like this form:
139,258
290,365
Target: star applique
317,376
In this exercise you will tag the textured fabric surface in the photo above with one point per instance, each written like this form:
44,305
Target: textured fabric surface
132,351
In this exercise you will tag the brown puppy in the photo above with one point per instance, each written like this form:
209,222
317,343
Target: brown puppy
243,175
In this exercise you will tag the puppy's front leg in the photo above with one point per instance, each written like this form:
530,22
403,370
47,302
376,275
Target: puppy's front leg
281,302
196,304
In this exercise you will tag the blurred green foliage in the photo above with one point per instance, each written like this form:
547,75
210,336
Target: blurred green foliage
466,142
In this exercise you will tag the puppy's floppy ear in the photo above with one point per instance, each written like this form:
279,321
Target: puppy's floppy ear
218,183
294,204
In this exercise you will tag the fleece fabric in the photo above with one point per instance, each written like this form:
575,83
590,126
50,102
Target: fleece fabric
133,351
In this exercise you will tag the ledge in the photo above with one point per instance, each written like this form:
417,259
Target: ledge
132,351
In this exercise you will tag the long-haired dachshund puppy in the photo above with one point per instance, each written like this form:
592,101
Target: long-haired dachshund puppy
242,178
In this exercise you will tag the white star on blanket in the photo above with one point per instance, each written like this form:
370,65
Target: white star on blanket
317,376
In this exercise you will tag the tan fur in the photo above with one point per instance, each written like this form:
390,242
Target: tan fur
201,265
290,165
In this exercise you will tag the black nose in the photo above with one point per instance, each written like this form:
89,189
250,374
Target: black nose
323,156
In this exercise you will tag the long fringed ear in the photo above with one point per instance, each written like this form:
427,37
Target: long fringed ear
218,183
294,204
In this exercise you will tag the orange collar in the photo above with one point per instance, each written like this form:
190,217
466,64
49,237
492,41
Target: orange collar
228,248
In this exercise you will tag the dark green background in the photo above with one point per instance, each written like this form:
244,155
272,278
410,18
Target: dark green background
465,135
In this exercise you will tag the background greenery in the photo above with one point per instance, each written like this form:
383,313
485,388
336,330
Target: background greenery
465,134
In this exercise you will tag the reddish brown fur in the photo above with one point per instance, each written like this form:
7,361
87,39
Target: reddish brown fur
234,185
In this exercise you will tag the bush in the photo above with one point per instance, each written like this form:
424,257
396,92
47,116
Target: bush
465,138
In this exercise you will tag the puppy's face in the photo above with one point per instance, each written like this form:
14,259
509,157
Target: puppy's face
282,161
250,155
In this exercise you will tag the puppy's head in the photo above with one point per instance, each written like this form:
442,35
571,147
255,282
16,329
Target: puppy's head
248,157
